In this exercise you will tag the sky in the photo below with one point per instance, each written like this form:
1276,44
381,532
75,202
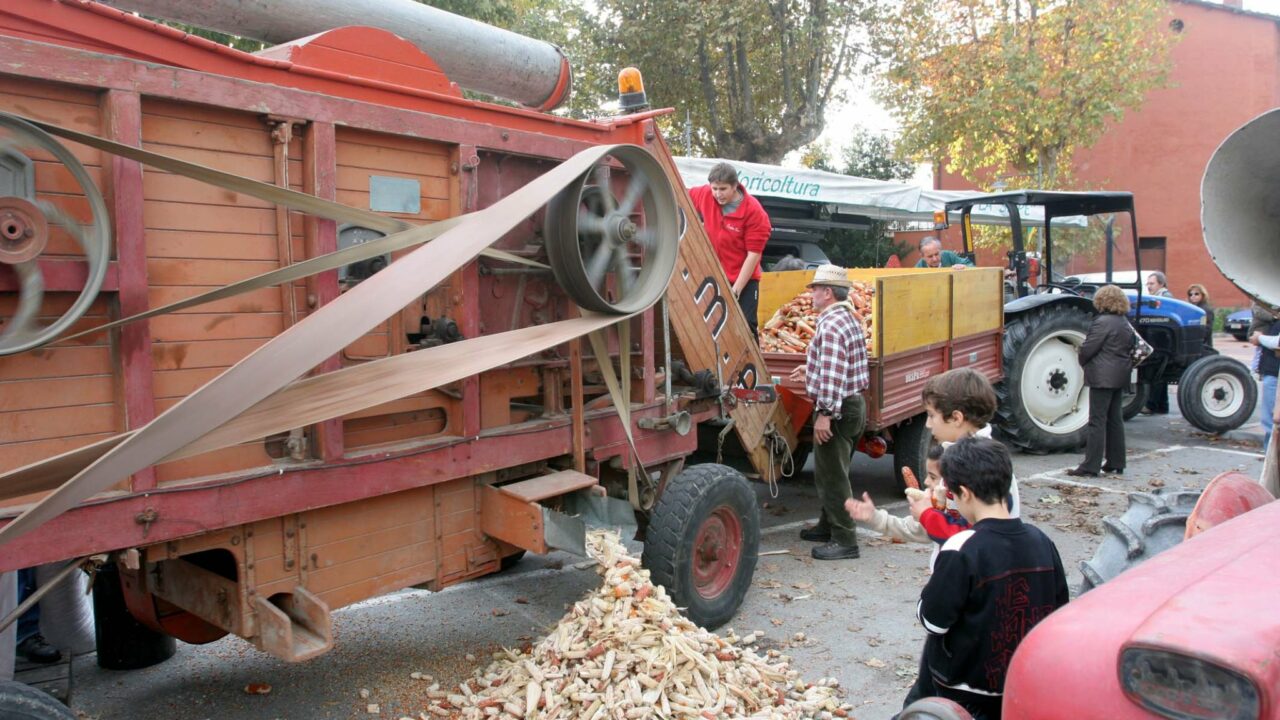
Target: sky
862,109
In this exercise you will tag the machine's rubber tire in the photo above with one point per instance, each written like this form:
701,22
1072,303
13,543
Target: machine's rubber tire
19,701
123,642
1136,400
712,506
934,708
1153,523
1035,332
911,442
1217,394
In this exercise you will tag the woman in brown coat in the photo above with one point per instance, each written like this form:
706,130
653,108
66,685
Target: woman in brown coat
1104,355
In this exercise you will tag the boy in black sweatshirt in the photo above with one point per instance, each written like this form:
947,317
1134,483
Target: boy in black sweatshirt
990,585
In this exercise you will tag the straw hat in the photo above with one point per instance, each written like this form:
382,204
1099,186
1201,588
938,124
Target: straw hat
831,275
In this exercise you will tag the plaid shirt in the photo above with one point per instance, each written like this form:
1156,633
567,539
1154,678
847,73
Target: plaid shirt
836,362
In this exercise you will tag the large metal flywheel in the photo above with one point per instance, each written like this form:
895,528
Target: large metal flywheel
612,235
25,228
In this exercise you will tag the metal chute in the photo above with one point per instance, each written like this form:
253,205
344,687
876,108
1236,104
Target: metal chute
477,56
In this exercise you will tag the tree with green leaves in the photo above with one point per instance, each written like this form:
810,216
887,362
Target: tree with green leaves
1011,89
756,76
1016,87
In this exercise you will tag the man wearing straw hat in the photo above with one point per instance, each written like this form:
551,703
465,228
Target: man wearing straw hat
834,375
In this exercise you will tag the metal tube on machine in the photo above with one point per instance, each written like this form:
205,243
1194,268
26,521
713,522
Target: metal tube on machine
477,56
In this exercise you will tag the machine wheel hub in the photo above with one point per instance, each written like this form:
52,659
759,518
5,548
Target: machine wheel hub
24,231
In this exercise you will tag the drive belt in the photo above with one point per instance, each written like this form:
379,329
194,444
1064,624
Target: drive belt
258,379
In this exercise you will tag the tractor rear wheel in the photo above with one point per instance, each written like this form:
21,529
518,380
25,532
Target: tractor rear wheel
911,442
1154,522
1044,404
1217,394
1135,399
702,542
123,642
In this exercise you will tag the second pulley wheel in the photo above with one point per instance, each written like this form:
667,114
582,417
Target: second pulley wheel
612,235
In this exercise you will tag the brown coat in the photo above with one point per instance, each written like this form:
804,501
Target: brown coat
1104,355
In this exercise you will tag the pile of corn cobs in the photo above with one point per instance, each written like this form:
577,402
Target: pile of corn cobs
625,652
793,325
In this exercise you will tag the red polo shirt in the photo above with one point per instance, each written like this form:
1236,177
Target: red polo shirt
733,236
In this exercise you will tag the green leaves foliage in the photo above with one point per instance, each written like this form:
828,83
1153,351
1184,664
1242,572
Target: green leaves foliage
756,76
1016,87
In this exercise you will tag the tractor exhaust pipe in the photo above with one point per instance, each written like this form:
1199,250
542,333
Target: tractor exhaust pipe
477,56
1240,207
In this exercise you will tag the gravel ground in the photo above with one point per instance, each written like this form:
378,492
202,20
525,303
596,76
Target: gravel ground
856,616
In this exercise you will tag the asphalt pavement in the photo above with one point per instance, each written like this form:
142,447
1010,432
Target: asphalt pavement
856,616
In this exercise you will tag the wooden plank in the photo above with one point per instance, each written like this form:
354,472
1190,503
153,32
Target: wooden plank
223,326
914,311
217,353
977,301
422,158
163,215
338,522
548,486
180,383
192,133
218,462
512,519
30,88
60,361
398,143
251,166
54,178
56,392
263,300
395,431
337,561
17,454
205,271
46,423
195,244
176,188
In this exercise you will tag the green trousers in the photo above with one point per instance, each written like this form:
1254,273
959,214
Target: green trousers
831,469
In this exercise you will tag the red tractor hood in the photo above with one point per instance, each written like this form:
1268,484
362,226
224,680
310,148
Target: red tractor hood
1212,597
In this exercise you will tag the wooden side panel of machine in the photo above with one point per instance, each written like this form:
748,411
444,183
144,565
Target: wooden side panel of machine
199,237
364,159
57,398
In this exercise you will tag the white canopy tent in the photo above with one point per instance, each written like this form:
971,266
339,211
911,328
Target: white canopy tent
876,199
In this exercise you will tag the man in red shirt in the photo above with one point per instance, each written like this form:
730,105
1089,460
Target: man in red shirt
738,228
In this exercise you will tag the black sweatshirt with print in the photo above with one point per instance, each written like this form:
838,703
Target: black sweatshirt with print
991,584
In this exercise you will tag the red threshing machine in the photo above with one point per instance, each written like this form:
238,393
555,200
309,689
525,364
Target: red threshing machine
360,364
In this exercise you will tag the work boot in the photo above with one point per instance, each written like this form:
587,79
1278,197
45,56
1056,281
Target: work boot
36,650
818,533
834,551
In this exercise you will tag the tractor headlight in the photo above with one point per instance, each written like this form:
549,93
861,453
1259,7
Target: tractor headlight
1186,688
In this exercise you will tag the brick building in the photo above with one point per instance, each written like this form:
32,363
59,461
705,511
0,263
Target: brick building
1226,71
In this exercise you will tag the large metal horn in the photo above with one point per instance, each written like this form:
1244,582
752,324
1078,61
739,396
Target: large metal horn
1240,207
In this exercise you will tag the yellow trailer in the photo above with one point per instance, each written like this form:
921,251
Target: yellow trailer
922,322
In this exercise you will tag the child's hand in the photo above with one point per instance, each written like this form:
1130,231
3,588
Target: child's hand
861,510
919,504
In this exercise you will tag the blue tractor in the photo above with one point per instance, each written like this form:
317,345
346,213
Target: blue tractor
1043,403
